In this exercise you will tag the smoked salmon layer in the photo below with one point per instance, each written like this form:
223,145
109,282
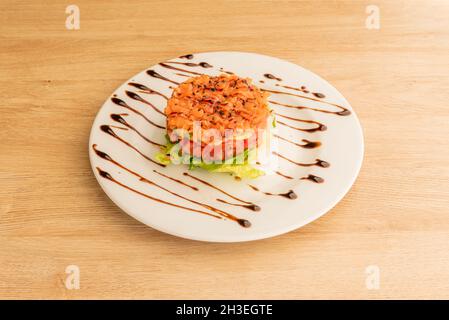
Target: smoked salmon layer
223,102
226,107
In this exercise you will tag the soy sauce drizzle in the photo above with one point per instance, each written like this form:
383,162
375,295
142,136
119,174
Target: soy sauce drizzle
118,118
242,222
307,143
156,75
165,65
216,188
319,95
188,64
107,129
191,64
319,126
271,77
176,180
289,194
135,96
182,75
296,119
145,89
313,178
123,104
121,128
204,65
108,176
283,175
343,112
187,56
228,72
103,155
303,89
253,207
318,162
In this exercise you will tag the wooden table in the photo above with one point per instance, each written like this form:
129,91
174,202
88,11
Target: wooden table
54,214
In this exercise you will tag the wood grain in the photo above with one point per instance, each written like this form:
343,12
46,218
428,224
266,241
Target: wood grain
53,213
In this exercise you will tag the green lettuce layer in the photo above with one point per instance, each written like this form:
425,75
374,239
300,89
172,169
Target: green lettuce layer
241,170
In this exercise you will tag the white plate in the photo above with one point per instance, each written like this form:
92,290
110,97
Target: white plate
342,147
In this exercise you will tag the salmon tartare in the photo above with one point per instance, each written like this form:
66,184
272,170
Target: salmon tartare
213,120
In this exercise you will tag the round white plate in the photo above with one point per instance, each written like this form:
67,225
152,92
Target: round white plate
127,169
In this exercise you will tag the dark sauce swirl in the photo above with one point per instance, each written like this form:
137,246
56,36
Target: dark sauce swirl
253,207
147,90
306,145
289,194
107,129
318,162
165,65
191,64
318,126
343,111
105,156
136,97
313,178
272,77
168,65
176,180
303,89
108,176
226,71
187,56
157,75
283,175
118,118
216,188
123,104
120,128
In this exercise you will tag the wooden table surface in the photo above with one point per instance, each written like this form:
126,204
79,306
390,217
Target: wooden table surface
53,213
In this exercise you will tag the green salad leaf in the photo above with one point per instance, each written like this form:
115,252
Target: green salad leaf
231,165
238,170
